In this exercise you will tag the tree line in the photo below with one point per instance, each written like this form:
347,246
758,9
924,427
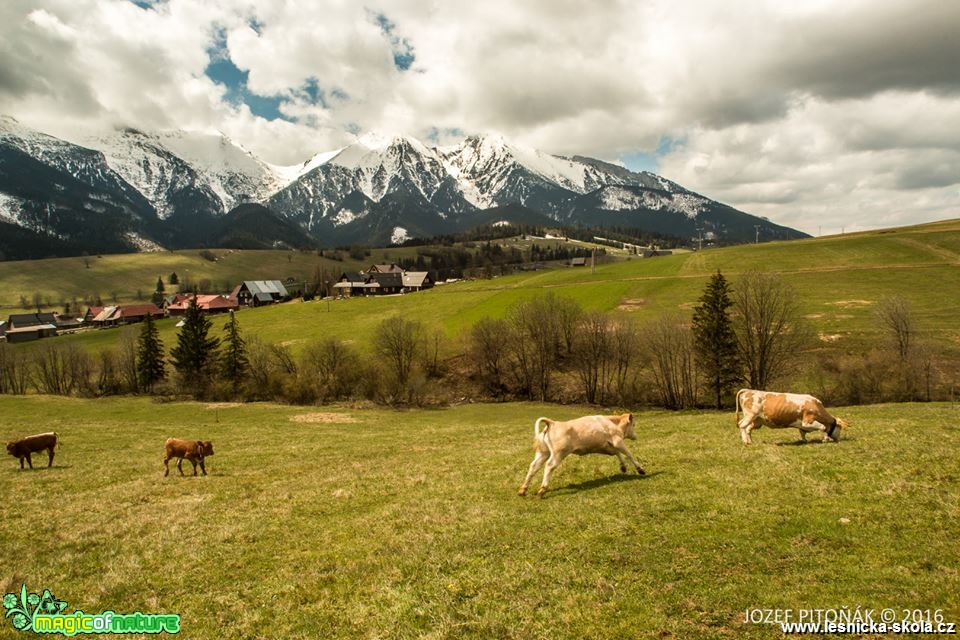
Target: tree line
545,348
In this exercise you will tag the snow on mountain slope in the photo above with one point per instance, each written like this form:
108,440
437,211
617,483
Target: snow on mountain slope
165,179
232,172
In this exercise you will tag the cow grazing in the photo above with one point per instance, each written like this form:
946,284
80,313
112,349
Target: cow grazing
591,434
193,450
783,411
23,447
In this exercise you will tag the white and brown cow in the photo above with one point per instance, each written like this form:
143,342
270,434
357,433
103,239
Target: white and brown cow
784,411
591,434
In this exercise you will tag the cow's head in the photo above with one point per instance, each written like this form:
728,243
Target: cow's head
12,448
626,423
839,424
205,448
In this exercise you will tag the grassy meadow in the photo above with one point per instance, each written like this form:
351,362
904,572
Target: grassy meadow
341,522
840,280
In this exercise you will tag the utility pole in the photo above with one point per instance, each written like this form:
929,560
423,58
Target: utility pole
757,240
593,260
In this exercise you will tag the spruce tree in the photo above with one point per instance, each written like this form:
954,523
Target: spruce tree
174,279
159,284
196,353
150,366
714,339
234,363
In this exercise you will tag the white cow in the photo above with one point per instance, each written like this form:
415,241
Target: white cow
785,410
591,434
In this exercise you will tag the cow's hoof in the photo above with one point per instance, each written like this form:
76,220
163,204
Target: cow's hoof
541,493
522,492
623,469
641,472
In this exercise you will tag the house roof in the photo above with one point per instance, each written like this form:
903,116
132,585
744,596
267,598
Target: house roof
415,278
392,279
205,302
263,296
353,276
272,287
385,268
93,311
31,319
32,329
127,311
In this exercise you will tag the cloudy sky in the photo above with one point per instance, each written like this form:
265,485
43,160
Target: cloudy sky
821,115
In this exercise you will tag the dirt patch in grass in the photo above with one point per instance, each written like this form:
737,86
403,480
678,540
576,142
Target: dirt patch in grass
828,337
632,304
852,303
223,405
324,418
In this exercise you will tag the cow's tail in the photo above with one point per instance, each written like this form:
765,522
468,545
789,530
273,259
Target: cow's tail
736,411
56,441
537,433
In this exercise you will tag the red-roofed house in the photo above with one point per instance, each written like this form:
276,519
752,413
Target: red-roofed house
126,314
207,304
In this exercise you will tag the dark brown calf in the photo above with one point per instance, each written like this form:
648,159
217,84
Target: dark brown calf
23,447
193,450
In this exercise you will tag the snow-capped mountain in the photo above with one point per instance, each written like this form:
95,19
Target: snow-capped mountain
173,189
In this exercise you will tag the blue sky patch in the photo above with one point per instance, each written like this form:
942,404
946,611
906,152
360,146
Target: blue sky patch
403,53
640,160
223,71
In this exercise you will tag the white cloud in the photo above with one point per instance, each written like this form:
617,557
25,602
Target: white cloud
833,114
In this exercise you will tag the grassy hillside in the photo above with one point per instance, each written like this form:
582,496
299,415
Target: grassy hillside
377,524
122,275
840,280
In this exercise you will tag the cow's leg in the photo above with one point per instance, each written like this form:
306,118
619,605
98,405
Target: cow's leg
50,451
623,465
622,448
29,461
21,462
823,429
193,461
746,425
538,459
202,468
803,434
166,466
180,465
552,463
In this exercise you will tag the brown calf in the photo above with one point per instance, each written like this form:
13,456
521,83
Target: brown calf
591,434
193,450
23,447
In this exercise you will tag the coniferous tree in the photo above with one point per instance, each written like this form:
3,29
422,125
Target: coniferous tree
715,342
159,284
196,352
174,279
234,363
150,365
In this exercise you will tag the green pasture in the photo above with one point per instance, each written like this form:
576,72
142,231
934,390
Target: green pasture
342,522
839,281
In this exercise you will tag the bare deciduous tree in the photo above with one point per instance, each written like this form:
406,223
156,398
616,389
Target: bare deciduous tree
771,334
488,352
593,351
397,341
670,349
333,366
61,369
534,339
14,370
896,316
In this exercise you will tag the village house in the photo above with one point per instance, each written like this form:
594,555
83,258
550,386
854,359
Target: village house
24,327
416,281
258,292
382,279
208,303
125,314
